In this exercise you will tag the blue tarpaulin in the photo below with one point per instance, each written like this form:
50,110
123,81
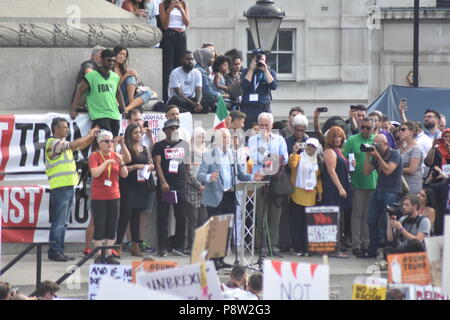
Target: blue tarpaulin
418,100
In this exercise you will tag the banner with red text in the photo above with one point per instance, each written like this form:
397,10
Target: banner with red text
25,215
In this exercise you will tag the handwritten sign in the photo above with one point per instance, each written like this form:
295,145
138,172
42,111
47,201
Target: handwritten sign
98,272
183,282
369,289
150,266
411,268
322,229
285,280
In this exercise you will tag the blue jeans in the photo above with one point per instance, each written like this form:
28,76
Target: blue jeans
61,202
377,204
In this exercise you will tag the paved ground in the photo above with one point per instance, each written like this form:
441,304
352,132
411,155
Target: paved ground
23,274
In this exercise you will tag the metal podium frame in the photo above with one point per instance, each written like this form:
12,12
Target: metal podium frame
247,250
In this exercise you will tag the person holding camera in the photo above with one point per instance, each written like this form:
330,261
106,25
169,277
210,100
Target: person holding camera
257,82
409,232
388,163
363,186
438,159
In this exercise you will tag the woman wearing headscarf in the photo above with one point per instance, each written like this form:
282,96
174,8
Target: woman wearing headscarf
204,59
308,189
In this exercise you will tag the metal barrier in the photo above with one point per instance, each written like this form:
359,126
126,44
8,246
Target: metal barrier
39,261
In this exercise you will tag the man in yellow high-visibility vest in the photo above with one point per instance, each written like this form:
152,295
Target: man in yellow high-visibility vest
62,175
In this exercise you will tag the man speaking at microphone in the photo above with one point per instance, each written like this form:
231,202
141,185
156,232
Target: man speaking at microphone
216,173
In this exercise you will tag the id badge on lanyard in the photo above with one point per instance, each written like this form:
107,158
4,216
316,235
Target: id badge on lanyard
254,97
108,181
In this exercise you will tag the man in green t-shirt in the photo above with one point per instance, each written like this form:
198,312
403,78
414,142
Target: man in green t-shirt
363,186
104,99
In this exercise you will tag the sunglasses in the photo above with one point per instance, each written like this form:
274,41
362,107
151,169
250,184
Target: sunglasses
107,141
366,128
403,129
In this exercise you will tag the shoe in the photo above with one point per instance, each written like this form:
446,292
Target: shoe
87,251
58,257
135,251
115,254
112,260
126,246
356,252
163,253
298,254
146,248
99,260
68,257
367,255
180,252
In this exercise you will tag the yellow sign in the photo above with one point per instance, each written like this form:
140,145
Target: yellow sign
366,292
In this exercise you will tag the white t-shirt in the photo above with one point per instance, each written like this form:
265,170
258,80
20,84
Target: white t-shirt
186,81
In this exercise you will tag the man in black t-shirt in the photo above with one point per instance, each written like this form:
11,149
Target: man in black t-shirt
171,159
87,67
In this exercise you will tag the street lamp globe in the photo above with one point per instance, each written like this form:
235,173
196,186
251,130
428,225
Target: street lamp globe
264,19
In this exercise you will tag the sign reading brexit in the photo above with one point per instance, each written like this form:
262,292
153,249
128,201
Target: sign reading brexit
322,229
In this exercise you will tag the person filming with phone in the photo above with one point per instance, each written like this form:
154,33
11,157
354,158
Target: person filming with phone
257,82
409,232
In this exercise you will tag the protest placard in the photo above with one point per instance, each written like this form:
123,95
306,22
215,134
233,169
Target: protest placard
322,229
435,247
212,237
98,272
413,268
369,288
285,280
183,282
150,266
446,257
415,292
112,289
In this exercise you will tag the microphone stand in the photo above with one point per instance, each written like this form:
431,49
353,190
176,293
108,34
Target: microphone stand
233,176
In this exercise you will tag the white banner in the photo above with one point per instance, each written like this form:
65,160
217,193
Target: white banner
25,215
285,280
22,140
446,261
183,282
98,272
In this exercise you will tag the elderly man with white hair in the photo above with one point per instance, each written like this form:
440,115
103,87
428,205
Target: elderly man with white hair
268,151
216,174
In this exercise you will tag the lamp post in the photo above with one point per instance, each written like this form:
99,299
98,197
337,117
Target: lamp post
264,19
416,45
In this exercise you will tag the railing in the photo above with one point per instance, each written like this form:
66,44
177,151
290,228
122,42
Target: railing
39,261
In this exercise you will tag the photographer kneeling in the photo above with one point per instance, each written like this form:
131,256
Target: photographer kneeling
407,234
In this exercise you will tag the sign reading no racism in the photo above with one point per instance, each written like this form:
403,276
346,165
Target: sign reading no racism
285,280
322,229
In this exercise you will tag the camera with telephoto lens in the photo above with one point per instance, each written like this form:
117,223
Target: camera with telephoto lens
258,57
394,210
365,147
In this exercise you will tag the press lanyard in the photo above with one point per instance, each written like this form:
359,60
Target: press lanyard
256,81
109,166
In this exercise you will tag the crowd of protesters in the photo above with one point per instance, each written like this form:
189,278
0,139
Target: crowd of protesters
362,164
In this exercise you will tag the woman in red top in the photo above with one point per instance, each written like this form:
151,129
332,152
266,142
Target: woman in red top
106,166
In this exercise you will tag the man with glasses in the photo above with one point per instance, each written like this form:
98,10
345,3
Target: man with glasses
431,120
104,99
363,185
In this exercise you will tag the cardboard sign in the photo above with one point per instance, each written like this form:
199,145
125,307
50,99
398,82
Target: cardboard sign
412,268
150,266
446,258
112,289
285,280
435,248
369,289
98,272
322,229
183,282
212,237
